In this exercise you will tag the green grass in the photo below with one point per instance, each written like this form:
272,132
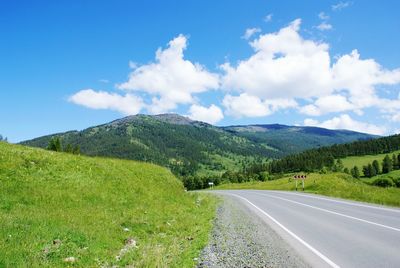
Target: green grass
333,184
361,161
86,203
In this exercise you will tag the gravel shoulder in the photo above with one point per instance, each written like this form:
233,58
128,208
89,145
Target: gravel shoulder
241,239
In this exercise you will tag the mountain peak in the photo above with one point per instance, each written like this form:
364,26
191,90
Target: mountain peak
174,119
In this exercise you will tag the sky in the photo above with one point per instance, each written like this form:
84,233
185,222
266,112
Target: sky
69,65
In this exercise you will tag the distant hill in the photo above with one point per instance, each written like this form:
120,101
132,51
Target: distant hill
193,147
294,139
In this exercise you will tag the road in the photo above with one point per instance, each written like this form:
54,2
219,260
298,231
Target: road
329,232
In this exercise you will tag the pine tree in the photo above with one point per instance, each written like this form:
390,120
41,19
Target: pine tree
371,170
366,172
395,162
387,165
375,164
77,150
58,144
69,148
355,172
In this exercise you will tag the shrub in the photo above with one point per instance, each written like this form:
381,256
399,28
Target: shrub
396,182
383,182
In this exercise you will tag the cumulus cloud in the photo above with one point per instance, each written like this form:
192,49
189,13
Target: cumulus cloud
250,32
344,121
327,104
252,106
171,79
211,115
127,104
284,65
284,69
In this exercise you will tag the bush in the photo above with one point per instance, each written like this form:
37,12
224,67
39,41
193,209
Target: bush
383,182
396,182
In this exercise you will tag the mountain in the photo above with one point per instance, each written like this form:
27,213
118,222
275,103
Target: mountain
294,139
192,147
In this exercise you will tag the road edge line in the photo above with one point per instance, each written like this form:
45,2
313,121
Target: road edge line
315,251
333,212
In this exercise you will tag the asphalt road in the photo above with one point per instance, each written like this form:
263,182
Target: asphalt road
329,232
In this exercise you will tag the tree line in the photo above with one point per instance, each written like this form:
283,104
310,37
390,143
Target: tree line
55,144
317,159
388,164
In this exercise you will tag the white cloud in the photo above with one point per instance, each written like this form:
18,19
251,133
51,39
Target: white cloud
253,106
127,104
323,16
268,18
171,80
324,26
284,65
344,121
327,104
341,5
250,32
211,115
105,81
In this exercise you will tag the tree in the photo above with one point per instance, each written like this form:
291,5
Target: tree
387,164
371,170
376,166
69,148
76,150
355,172
338,167
395,162
55,144
366,172
3,138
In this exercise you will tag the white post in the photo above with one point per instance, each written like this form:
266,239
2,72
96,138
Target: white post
303,184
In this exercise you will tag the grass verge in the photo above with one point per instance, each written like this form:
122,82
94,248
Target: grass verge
55,205
333,184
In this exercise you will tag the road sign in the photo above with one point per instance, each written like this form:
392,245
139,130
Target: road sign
300,177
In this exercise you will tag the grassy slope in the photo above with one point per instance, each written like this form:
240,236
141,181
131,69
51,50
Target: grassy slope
361,161
86,202
335,184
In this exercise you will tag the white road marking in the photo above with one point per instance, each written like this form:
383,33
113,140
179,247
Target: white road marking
319,254
333,212
340,201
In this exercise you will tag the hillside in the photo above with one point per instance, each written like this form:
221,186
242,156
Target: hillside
192,147
294,139
316,159
360,161
331,184
55,205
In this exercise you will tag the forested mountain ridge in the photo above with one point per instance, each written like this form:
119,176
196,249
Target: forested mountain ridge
187,146
316,159
294,139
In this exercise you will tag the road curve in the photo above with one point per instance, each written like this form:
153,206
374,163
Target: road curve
329,232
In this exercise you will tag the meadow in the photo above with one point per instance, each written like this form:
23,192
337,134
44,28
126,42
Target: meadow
59,210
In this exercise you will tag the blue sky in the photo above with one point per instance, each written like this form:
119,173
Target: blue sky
73,64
